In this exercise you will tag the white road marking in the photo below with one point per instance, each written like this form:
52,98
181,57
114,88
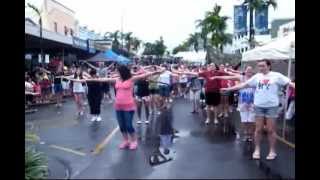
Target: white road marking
68,150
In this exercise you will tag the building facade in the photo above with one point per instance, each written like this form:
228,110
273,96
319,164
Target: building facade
240,43
85,34
58,18
276,23
285,29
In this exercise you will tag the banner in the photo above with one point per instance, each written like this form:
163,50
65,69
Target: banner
261,21
39,58
80,43
90,46
240,19
46,59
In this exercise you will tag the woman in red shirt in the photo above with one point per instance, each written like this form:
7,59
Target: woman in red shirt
212,89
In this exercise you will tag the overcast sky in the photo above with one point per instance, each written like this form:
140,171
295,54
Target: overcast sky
150,19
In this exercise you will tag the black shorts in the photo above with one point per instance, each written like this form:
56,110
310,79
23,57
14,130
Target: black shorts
231,98
183,85
153,91
105,87
212,98
142,91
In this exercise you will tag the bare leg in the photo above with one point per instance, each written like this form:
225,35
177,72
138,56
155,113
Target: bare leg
252,129
208,114
146,106
139,104
125,136
271,134
258,131
132,137
215,110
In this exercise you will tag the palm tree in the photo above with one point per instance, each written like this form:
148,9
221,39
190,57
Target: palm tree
194,41
254,5
215,25
136,43
38,12
114,36
203,32
225,39
181,47
128,39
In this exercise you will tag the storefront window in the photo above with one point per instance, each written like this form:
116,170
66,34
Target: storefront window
65,30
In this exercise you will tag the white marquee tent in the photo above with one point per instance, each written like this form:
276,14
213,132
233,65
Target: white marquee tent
277,49
192,56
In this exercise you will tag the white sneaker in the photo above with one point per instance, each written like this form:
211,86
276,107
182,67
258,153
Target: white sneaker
238,136
170,100
207,121
99,118
216,121
81,113
220,115
147,122
94,118
139,122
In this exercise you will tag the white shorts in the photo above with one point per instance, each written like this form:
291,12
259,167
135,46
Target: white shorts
65,85
247,116
194,95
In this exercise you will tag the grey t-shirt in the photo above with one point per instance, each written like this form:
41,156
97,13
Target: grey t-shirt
195,83
102,72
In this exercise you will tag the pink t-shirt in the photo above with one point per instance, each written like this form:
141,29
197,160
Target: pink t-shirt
124,96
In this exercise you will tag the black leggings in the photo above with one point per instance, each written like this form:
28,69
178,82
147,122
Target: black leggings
94,101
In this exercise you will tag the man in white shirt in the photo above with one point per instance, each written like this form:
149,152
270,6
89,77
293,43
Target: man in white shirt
266,102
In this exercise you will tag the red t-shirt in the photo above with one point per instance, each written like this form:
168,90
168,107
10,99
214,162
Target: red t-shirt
45,83
212,85
224,83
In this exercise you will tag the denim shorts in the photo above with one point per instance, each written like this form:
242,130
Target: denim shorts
164,91
268,112
58,88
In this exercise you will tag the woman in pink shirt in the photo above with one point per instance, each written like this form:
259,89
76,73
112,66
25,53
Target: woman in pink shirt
125,103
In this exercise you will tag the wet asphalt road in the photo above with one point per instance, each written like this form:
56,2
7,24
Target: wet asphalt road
199,152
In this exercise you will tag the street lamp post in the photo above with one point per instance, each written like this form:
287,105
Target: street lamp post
41,49
35,9
251,29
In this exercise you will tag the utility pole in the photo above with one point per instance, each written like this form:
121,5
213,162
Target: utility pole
122,37
251,28
41,39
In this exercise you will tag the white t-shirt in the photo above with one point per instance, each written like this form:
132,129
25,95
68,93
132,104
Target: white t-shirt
77,87
183,79
267,88
165,78
28,86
